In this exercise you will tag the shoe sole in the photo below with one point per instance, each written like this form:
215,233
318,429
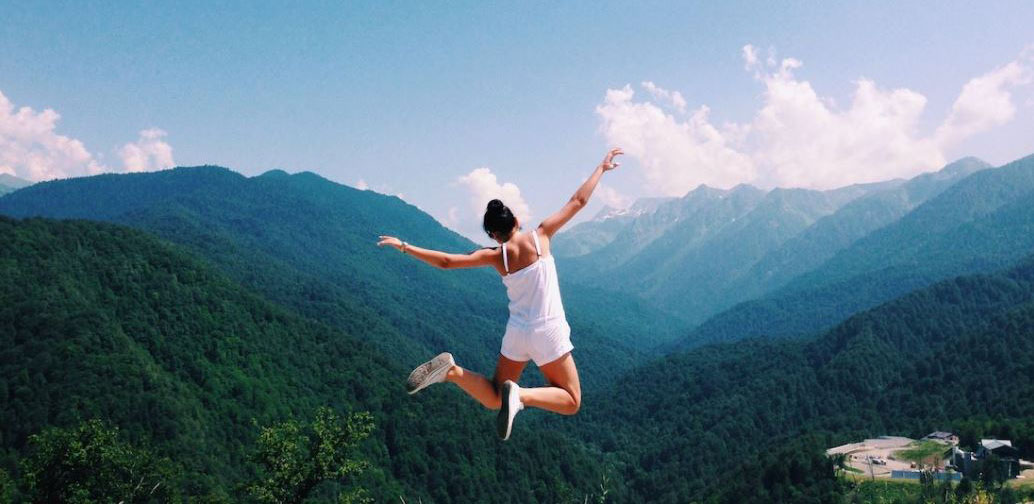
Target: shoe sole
429,372
504,421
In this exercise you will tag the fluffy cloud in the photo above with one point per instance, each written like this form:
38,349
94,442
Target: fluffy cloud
612,197
148,153
483,186
672,98
985,101
32,150
799,138
675,155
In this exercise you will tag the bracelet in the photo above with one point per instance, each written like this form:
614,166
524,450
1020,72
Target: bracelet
404,247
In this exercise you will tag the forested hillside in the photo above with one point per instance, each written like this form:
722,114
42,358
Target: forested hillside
957,356
700,254
982,223
102,322
307,243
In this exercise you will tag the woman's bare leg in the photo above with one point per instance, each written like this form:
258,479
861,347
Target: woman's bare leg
565,395
477,386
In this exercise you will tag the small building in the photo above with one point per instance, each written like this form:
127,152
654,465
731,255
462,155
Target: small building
1009,457
944,437
1005,451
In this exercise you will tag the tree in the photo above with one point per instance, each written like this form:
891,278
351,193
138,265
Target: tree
297,457
89,463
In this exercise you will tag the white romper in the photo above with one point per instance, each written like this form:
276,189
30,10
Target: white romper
537,328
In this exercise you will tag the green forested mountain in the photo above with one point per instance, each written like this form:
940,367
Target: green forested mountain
102,322
308,244
834,232
705,252
957,356
982,223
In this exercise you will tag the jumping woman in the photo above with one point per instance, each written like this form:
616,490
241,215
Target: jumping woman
537,329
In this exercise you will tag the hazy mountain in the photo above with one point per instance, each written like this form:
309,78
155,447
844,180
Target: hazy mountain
594,234
698,255
308,243
981,223
102,321
948,357
828,235
10,183
682,255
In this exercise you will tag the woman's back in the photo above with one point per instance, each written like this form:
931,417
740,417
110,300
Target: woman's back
531,281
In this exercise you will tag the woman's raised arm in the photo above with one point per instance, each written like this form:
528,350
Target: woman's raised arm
444,260
554,222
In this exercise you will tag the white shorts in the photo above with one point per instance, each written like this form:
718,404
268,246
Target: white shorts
542,343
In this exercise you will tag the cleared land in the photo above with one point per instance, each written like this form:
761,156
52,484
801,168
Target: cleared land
881,456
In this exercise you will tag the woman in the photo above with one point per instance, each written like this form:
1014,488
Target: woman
537,329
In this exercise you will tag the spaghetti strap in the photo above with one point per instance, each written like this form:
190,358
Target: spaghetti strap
506,264
535,236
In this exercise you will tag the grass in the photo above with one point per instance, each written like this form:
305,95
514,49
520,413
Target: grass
923,452
884,491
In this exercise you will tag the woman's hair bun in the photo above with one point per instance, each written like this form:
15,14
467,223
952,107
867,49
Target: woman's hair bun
499,220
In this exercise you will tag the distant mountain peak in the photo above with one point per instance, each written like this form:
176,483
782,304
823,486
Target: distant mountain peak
13,182
275,173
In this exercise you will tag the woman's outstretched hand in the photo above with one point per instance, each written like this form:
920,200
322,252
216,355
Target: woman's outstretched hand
390,241
608,161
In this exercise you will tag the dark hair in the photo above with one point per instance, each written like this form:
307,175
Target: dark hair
499,220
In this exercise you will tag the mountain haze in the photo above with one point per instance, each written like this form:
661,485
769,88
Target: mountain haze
981,223
697,255
10,183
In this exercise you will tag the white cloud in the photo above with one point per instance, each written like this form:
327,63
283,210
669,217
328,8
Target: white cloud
31,149
362,185
798,138
612,197
148,153
985,102
750,57
675,155
483,186
671,98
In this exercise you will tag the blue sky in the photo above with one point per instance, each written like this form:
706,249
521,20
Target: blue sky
413,98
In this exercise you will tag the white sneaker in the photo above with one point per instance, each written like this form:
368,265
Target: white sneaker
510,405
430,372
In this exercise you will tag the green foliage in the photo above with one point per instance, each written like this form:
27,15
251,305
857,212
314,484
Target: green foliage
937,358
89,463
923,452
308,244
297,457
101,321
6,487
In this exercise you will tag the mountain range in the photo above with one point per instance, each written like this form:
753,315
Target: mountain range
700,254
10,183
190,305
